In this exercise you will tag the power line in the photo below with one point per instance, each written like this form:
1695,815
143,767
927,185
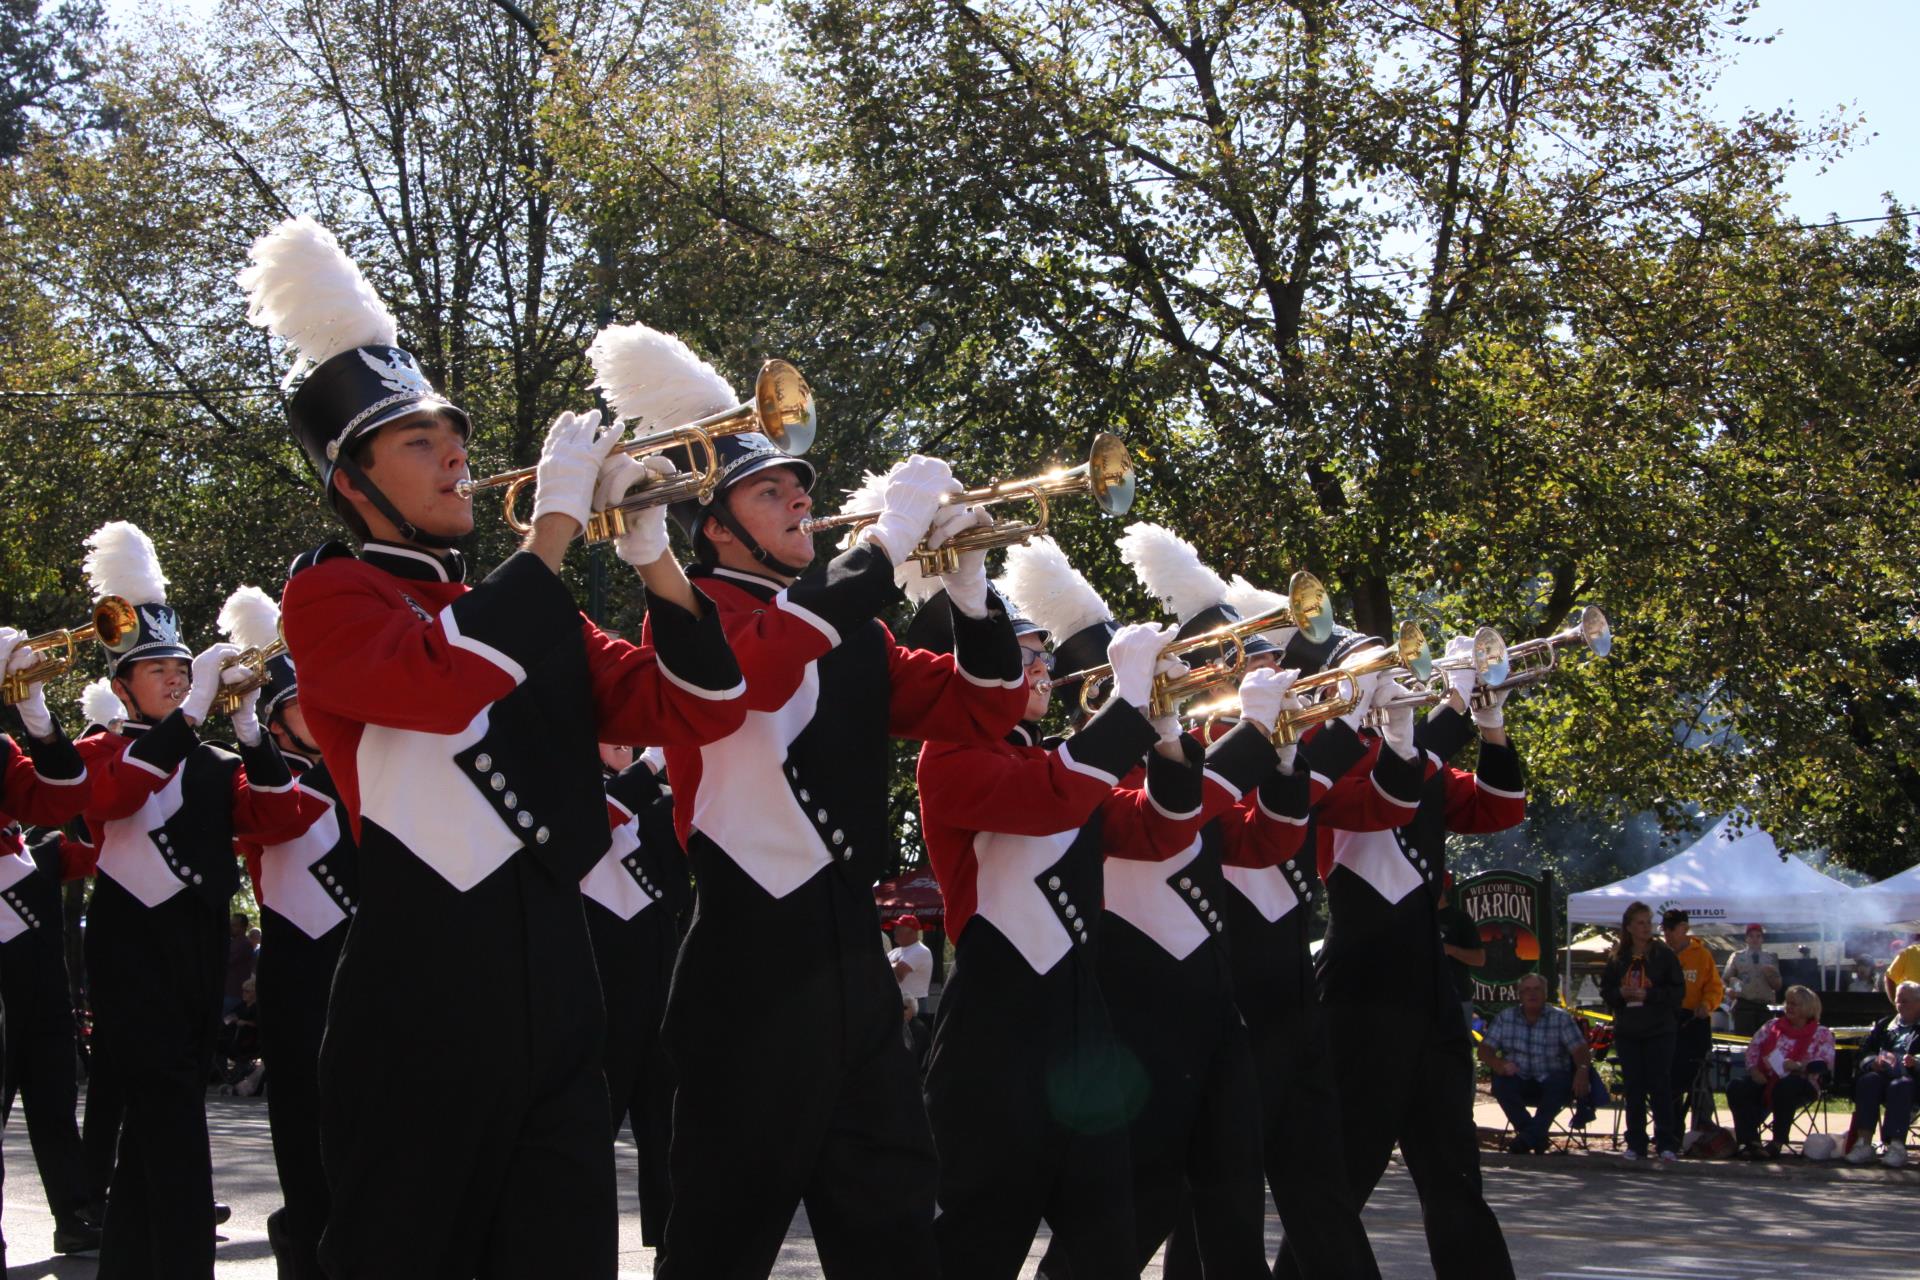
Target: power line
156,393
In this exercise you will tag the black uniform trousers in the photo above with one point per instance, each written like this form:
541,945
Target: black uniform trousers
636,963
40,1065
1304,1155
1029,1115
155,978
294,979
810,1097
1194,1133
1401,1082
463,1113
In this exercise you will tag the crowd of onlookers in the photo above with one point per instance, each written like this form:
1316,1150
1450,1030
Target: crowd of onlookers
1663,993
237,1064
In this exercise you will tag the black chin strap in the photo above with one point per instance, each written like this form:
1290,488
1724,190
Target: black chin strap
718,510
409,532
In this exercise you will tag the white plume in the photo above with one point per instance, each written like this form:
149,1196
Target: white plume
100,705
121,561
1250,601
1169,568
1044,587
871,495
302,287
250,618
654,379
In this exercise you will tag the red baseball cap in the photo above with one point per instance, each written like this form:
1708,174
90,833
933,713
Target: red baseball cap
910,922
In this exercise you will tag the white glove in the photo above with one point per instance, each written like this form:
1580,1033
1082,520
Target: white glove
911,502
1461,681
1398,729
206,679
1367,685
646,537
1134,655
967,585
1492,713
246,719
656,760
1264,693
1167,726
1286,755
569,465
15,656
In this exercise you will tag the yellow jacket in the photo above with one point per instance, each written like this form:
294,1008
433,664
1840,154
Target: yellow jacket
1705,990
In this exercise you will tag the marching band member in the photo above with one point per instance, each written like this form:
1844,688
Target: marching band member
1381,889
785,825
166,809
1023,1087
1163,962
460,725
45,785
1269,881
637,897
307,888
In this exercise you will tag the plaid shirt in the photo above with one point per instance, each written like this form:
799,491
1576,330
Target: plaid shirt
1540,1048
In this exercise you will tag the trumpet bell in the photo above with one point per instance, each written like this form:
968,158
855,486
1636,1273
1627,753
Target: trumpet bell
1312,611
1595,631
783,404
1490,655
1411,645
1110,478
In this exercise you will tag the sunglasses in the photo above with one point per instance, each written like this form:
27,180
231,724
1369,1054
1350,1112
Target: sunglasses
1028,657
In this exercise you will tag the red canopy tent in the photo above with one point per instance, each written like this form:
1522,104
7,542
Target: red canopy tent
914,893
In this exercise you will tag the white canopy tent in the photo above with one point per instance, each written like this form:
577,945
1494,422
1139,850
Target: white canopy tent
1723,881
1895,900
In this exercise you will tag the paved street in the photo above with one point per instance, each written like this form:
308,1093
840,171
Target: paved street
1566,1217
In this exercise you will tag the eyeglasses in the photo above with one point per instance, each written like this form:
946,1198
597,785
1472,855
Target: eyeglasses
1032,657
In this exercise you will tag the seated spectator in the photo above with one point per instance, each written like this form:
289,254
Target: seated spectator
1889,1065
1538,1055
1789,1062
240,1068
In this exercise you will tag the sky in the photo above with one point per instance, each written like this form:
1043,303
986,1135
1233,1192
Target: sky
1851,57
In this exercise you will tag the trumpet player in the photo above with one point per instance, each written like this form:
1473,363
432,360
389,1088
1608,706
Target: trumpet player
1268,884
1024,1088
460,724
785,824
308,888
167,807
44,784
1382,888
1193,1136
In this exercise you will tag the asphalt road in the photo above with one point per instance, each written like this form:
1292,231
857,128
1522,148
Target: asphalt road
1567,1217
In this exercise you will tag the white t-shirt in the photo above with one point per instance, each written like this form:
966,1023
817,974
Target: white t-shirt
920,963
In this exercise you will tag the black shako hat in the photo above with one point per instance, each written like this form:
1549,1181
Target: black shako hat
739,456
356,392
282,687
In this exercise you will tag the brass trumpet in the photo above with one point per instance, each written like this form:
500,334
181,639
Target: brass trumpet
781,409
113,618
1488,662
1339,687
1306,608
1532,661
228,699
1106,477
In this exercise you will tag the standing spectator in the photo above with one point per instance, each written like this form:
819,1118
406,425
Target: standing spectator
1754,977
1905,968
1889,1065
1537,1054
1788,1062
1460,938
240,952
1643,986
1694,1019
912,963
